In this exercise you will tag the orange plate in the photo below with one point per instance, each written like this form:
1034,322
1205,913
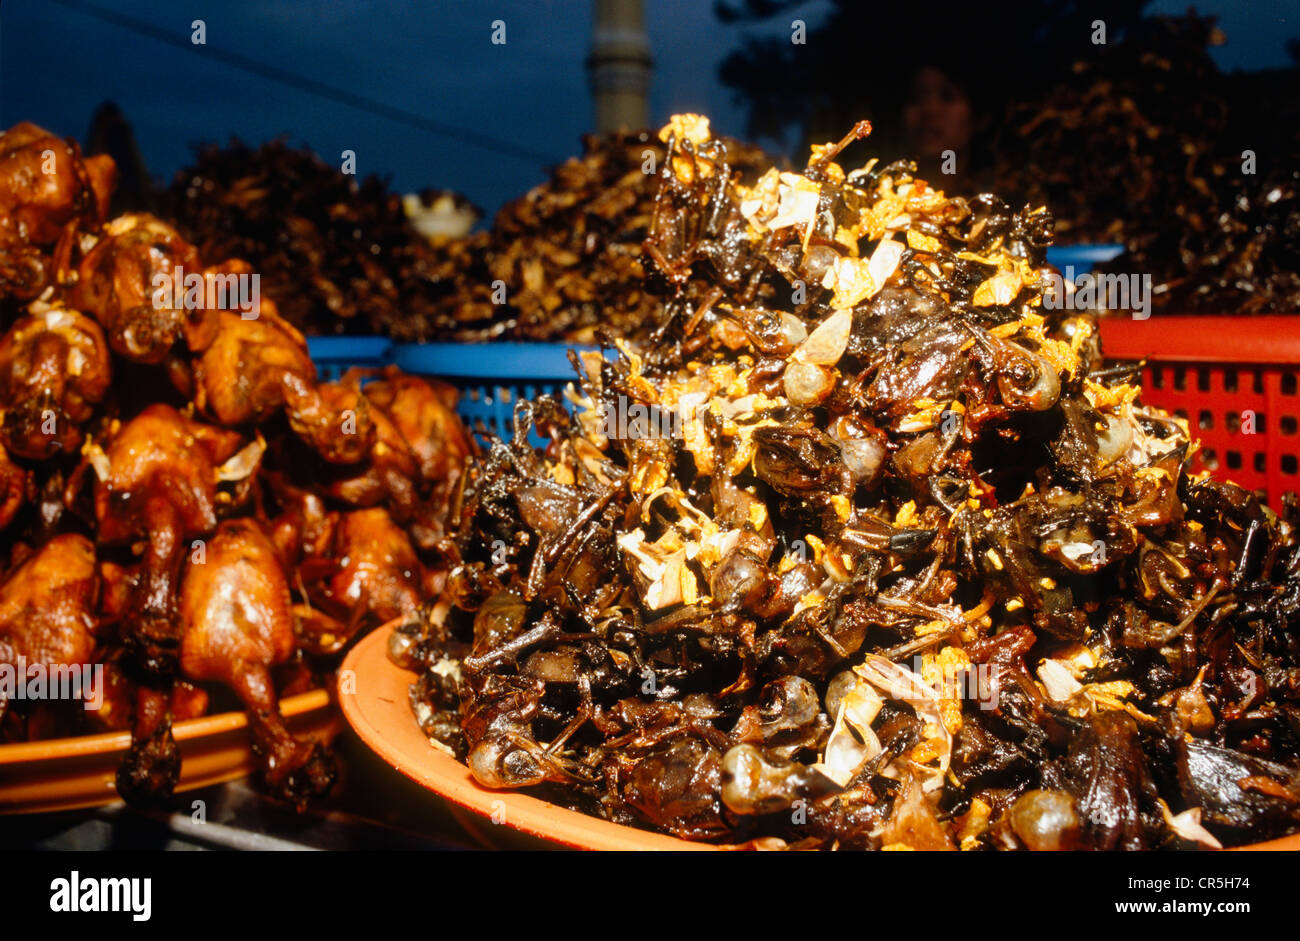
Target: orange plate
380,712
67,773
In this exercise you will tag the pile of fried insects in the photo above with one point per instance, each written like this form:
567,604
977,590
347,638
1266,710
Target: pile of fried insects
865,549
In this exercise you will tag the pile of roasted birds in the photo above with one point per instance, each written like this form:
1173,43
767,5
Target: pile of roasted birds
1195,171
183,501
864,548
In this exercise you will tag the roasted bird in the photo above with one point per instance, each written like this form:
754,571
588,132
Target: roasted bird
156,481
237,622
47,609
378,571
54,370
206,514
47,190
14,484
422,412
128,282
258,367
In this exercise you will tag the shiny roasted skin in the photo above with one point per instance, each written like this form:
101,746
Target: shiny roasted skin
54,370
202,471
47,609
237,625
47,191
116,284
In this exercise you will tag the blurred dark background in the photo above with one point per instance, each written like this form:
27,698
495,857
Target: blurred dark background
422,95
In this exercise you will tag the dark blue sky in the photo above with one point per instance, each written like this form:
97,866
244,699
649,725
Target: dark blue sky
57,63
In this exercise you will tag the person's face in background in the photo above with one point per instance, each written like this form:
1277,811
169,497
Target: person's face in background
937,117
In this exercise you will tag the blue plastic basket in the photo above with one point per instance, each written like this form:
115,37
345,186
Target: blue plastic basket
334,356
491,377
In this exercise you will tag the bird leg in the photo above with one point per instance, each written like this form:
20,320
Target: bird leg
294,770
152,767
153,635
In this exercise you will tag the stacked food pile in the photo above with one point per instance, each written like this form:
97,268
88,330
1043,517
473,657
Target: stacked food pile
1237,251
865,550
558,263
566,258
342,256
1194,171
184,502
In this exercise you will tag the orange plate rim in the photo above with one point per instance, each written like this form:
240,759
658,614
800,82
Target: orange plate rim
108,742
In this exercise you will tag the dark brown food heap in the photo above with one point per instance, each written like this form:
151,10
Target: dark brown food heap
865,551
1146,145
182,501
1233,252
565,259
1125,140
559,262
338,257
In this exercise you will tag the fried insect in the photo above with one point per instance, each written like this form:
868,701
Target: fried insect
862,549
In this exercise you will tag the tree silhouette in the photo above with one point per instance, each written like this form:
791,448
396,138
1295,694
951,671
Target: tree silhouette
859,56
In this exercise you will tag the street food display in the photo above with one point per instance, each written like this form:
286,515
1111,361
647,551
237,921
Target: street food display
863,547
852,541
185,505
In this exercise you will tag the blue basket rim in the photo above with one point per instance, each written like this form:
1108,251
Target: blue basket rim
367,348
507,361
1085,254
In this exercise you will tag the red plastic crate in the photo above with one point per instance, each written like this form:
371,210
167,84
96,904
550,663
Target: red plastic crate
1211,371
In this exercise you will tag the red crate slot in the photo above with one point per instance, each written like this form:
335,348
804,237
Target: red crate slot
1213,371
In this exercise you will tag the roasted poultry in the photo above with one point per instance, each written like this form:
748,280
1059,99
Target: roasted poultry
14,485
259,367
424,413
219,516
156,481
122,283
47,609
377,570
238,623
47,190
415,463
391,474
54,370
156,486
